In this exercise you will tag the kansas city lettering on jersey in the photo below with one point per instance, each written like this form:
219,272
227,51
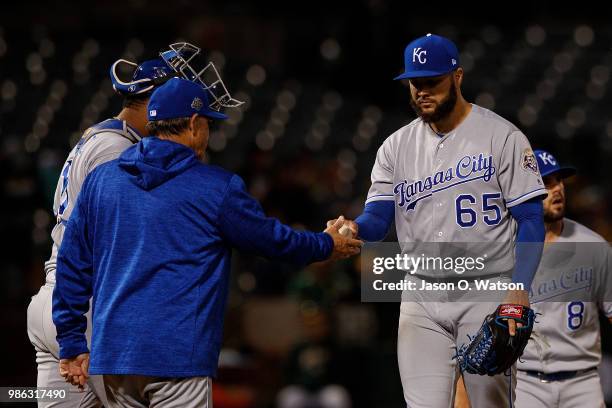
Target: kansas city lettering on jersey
571,281
468,168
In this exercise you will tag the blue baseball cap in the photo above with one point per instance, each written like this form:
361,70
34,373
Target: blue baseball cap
180,98
429,56
549,165
145,77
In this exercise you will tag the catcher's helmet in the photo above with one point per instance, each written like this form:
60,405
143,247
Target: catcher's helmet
142,79
179,61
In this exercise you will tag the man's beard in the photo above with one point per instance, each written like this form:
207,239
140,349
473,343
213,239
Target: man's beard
553,216
443,109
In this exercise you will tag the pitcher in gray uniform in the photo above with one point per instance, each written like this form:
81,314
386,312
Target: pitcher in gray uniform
100,143
458,173
559,367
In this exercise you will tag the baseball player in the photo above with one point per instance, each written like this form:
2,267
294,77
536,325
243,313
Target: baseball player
559,367
458,173
153,248
101,143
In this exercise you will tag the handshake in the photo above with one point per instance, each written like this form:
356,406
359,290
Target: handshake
344,233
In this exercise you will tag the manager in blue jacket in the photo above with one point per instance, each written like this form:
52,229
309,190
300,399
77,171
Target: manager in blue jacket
150,240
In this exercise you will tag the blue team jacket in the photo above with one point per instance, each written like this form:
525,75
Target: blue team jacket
150,239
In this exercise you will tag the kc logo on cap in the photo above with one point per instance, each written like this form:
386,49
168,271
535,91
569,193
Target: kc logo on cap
419,54
547,158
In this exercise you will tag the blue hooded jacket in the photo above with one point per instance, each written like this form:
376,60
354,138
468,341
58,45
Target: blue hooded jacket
150,239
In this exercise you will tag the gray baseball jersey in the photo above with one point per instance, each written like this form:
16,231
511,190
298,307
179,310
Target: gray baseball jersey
567,335
100,143
457,187
453,188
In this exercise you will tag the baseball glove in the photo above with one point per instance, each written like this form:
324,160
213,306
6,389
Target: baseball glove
492,350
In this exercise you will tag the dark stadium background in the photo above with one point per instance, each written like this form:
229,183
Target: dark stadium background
317,78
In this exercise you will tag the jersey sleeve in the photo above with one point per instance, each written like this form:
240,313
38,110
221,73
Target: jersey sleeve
518,176
382,174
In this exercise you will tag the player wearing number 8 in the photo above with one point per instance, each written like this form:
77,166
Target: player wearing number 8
559,367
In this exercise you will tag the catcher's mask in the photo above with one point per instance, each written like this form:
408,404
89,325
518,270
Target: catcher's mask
181,57
129,78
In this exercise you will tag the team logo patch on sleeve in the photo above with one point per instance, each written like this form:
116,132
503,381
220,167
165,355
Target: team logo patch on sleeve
528,161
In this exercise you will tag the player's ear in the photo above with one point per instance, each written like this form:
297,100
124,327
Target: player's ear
193,123
458,74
